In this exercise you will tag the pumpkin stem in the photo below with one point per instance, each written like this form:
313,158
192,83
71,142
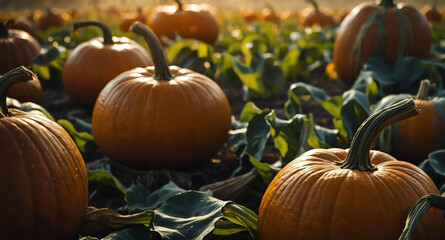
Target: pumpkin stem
358,155
162,70
270,7
108,38
19,74
4,27
424,89
387,3
418,210
434,5
179,5
314,4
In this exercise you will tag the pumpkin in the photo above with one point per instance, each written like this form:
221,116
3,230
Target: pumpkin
354,193
17,47
52,18
29,91
92,64
316,17
432,14
43,180
414,138
249,15
130,18
269,14
24,24
160,115
188,21
386,30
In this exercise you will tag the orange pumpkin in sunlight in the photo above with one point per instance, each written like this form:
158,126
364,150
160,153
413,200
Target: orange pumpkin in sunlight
52,18
315,16
129,18
161,115
92,64
377,30
195,21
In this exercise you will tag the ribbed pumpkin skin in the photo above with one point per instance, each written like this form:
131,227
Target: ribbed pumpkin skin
19,49
141,121
313,198
30,91
92,64
43,180
349,63
193,21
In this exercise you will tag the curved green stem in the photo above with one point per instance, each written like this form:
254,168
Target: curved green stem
108,37
19,74
4,27
314,4
358,155
179,5
387,3
162,70
424,89
418,210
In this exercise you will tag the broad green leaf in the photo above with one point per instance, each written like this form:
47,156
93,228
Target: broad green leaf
240,218
139,232
84,140
290,64
249,111
250,78
355,109
107,178
44,58
187,215
266,170
257,134
437,162
29,107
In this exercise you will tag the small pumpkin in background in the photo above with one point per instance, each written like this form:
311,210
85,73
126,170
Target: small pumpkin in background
315,16
195,21
52,18
269,14
414,138
161,115
386,29
24,24
43,178
92,64
348,194
28,91
130,18
17,47
249,15
432,14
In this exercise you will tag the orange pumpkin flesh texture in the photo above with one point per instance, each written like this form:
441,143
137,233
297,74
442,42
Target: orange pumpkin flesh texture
160,116
17,47
348,194
188,21
43,183
404,32
92,64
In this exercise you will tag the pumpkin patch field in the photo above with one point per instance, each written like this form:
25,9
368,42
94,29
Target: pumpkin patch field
240,120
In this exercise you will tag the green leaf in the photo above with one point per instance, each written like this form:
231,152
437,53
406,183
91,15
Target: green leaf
187,215
107,178
266,170
355,109
29,107
84,140
133,233
250,78
437,162
249,111
290,64
47,56
257,134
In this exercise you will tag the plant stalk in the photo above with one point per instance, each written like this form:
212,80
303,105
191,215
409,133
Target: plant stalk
387,3
424,89
106,31
178,2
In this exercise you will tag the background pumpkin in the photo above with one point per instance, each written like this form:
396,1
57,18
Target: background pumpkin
92,64
17,47
188,21
316,17
414,138
160,115
29,91
349,194
52,18
43,180
129,18
432,14
358,38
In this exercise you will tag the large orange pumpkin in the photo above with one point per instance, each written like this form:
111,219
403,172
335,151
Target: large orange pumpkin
43,179
386,29
349,194
92,64
188,21
160,115
17,47
316,17
414,138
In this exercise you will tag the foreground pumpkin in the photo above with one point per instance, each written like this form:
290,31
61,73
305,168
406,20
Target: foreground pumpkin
43,179
386,29
17,47
432,14
316,17
92,64
188,21
414,138
161,115
349,194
